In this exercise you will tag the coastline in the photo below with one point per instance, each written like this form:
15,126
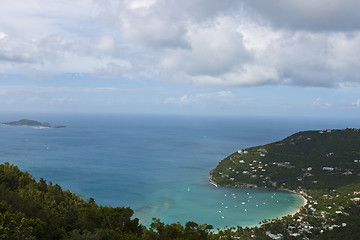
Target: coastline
305,202
292,213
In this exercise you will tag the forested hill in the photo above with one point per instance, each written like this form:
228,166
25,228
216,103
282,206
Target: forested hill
322,166
32,210
310,159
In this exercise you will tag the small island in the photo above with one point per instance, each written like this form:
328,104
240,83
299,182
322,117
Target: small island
321,166
32,123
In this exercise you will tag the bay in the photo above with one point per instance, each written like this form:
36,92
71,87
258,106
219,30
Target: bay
157,165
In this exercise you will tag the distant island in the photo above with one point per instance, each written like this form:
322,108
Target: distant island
32,123
322,166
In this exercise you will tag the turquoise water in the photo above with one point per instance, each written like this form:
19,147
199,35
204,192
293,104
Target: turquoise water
157,165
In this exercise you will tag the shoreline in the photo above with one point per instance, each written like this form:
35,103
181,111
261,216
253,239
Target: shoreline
293,213
304,203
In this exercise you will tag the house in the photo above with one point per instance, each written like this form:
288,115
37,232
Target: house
329,154
273,236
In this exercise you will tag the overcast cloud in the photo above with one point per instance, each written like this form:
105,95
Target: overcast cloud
206,42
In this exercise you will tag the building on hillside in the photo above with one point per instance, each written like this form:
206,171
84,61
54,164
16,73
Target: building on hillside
328,169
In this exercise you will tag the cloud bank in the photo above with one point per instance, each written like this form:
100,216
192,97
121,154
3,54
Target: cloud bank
205,42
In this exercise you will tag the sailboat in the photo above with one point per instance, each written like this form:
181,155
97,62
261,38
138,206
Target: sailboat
188,189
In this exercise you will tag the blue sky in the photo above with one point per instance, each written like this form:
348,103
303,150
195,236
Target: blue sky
226,57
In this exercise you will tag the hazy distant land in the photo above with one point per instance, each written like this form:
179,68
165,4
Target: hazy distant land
32,123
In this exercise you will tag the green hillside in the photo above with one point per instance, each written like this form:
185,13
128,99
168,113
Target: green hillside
32,210
310,159
322,166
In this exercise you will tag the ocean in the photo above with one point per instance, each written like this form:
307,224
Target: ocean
157,165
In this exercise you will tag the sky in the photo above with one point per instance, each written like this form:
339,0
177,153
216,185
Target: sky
228,57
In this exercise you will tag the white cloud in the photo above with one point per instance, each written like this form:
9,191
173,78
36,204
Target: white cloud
10,90
115,69
248,75
356,103
63,100
13,50
200,98
214,50
134,4
9,101
320,15
152,31
2,35
258,37
30,101
344,53
319,102
39,18
207,42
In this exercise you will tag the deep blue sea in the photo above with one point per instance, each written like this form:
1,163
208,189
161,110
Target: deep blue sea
157,165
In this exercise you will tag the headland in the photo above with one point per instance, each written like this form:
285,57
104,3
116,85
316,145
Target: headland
323,167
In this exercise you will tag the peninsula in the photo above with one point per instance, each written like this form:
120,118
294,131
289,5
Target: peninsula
322,166
32,123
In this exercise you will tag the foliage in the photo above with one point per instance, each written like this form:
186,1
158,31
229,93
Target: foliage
40,210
